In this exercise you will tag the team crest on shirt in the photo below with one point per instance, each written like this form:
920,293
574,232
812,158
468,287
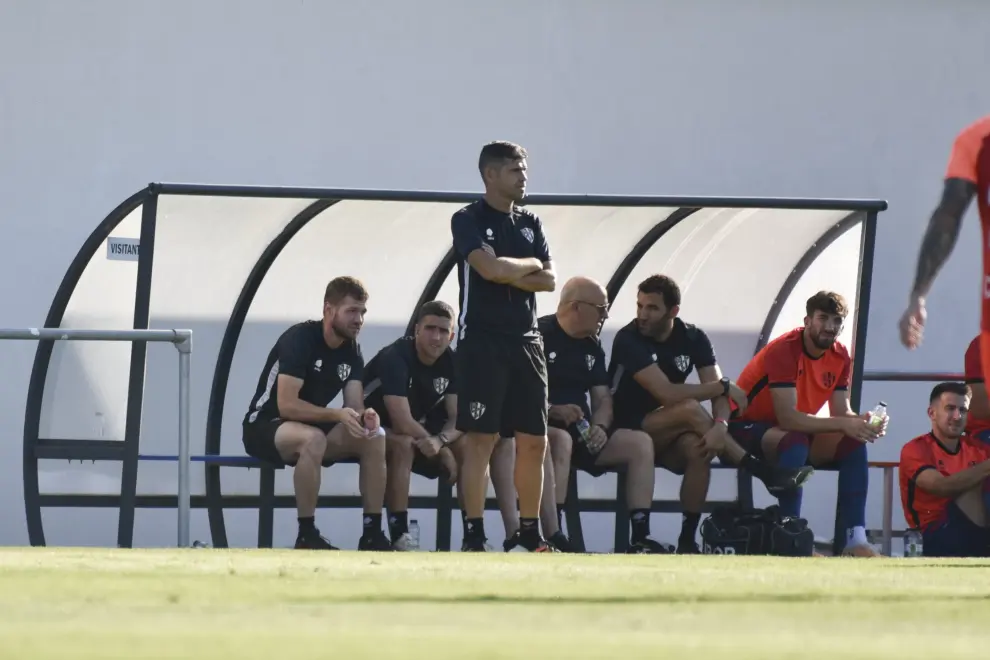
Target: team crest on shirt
440,385
589,361
343,371
682,362
527,233
477,410
828,379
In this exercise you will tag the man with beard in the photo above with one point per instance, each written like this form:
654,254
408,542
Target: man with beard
502,260
945,480
289,421
651,359
411,382
788,382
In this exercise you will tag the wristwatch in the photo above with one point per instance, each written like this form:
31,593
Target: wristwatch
725,386
443,439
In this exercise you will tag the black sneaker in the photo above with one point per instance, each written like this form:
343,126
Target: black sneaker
784,479
311,540
561,543
687,547
475,544
375,541
648,546
531,542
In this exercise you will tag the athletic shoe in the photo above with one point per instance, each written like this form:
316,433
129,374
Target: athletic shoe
531,542
861,550
475,545
561,543
784,479
648,546
375,541
311,540
403,544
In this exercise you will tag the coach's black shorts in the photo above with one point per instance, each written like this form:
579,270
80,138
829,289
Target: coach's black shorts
581,457
259,440
502,384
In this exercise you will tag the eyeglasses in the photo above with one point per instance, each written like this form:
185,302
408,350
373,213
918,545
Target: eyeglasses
601,309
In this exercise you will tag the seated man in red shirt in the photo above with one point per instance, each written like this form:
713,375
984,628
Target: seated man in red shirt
978,419
945,480
788,382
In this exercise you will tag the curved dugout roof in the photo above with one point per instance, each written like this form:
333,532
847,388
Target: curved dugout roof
239,264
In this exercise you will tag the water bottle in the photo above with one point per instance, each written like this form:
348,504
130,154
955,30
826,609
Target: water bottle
584,429
913,546
878,414
414,535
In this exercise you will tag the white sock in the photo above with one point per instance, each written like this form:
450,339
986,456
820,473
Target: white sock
856,536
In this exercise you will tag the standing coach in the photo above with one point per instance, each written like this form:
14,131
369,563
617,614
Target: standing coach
502,260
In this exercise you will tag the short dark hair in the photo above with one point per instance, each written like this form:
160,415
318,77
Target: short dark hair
962,389
495,152
828,302
435,308
663,285
343,286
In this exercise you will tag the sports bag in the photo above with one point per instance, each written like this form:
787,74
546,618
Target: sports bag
733,531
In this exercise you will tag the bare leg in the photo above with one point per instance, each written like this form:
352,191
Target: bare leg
502,467
304,445
477,454
548,505
530,451
399,454
560,446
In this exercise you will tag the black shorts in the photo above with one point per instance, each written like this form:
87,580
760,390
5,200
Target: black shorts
581,458
955,535
259,440
431,468
501,385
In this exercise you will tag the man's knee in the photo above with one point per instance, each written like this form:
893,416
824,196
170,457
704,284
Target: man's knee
301,440
399,449
560,443
693,450
373,448
850,450
531,446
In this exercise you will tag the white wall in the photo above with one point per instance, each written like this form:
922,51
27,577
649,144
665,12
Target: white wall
757,98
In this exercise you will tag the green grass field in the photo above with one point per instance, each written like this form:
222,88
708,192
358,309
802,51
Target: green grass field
74,603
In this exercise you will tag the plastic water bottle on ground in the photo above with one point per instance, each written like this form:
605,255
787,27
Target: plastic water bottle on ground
414,535
878,414
913,543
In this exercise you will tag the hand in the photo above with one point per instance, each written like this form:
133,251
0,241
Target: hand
449,462
430,446
371,421
352,422
596,439
713,441
912,324
739,397
567,413
880,430
488,248
858,428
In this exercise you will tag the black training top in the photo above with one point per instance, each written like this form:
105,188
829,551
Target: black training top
397,371
489,307
687,348
574,366
302,352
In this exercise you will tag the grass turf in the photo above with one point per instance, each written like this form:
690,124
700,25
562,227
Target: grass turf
82,603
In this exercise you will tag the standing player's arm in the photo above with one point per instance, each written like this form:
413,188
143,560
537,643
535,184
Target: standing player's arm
721,408
541,280
449,430
601,406
292,408
942,232
470,245
653,380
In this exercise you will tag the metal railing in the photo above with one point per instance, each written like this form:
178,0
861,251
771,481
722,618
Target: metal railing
888,467
182,340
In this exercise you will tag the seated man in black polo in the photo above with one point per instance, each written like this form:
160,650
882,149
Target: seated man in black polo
576,370
411,383
652,357
290,422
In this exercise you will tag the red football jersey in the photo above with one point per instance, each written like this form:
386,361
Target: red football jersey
925,452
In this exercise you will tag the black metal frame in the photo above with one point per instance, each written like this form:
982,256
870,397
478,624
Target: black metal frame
127,451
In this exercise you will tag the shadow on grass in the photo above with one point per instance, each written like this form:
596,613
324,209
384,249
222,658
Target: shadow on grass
939,566
654,599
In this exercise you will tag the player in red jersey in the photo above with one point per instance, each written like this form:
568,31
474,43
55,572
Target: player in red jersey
968,174
945,480
788,382
978,419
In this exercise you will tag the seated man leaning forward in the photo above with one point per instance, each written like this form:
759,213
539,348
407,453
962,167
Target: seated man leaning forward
576,371
289,421
652,357
945,480
411,383
788,382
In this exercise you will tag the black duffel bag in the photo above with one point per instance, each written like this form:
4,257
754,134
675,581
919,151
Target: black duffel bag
733,531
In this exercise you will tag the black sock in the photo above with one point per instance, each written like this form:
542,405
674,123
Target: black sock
528,525
639,519
372,523
560,516
307,524
689,526
753,465
474,528
398,524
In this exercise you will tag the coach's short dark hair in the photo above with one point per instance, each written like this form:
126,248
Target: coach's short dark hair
665,287
962,389
341,287
435,308
494,153
829,302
